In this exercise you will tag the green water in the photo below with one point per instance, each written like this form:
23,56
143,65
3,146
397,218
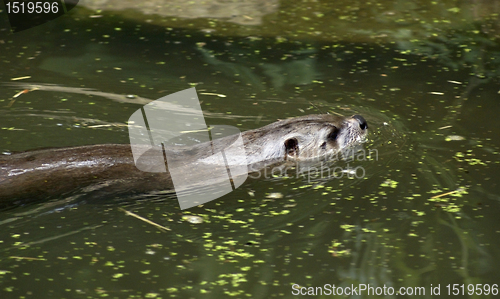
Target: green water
387,228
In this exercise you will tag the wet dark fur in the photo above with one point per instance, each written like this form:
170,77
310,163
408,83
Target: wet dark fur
110,168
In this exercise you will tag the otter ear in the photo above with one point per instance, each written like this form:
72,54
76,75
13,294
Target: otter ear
291,147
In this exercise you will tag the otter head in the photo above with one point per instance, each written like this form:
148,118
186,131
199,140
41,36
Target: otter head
318,136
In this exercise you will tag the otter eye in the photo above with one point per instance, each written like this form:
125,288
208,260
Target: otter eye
333,134
292,147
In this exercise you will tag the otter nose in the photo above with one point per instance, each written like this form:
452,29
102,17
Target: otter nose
362,122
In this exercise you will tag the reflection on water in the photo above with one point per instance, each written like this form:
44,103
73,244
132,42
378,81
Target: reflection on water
425,213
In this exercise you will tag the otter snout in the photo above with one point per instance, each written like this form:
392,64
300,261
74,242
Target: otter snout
353,130
362,122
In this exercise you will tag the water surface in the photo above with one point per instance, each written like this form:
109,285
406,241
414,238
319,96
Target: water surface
424,213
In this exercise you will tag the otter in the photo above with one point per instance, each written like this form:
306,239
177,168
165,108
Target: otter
109,169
